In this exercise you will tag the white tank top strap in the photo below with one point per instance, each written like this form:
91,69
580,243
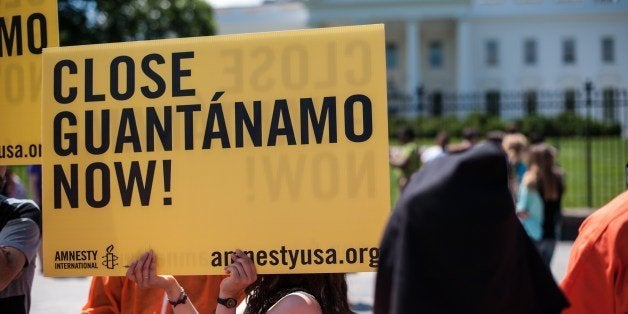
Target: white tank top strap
298,293
302,293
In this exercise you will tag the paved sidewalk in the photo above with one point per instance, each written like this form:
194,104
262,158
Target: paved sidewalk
67,295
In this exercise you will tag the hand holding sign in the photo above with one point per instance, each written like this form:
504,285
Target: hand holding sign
144,273
241,273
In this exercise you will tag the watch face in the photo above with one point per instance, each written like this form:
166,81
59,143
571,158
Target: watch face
231,303
228,302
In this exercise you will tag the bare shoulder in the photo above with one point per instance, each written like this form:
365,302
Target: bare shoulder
296,302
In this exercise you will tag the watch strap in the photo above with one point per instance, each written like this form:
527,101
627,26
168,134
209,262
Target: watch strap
183,297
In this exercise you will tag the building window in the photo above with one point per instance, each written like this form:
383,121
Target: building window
492,52
570,101
529,52
608,102
608,50
392,56
492,99
437,104
569,51
530,102
436,54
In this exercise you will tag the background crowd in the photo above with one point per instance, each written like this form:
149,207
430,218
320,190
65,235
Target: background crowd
535,179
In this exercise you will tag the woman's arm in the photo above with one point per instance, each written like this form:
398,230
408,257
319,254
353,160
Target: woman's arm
143,273
522,202
241,273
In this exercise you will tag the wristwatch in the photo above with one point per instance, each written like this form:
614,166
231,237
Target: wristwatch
183,297
228,302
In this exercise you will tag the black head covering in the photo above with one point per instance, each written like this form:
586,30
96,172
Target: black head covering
454,244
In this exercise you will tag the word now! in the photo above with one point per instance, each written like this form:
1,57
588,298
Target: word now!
96,182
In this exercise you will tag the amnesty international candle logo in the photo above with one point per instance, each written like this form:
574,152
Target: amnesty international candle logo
110,259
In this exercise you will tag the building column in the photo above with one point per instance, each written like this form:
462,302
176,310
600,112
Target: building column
463,42
413,58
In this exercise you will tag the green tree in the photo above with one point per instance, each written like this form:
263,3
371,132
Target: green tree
84,22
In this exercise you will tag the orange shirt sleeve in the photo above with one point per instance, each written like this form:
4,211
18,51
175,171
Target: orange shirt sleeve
597,279
587,285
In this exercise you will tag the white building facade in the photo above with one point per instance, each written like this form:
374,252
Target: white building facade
489,47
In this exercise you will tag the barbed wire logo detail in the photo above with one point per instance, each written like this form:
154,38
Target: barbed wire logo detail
109,260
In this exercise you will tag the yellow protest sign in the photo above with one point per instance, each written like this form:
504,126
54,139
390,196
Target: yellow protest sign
26,27
274,143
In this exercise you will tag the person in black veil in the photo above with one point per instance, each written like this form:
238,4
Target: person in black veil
454,244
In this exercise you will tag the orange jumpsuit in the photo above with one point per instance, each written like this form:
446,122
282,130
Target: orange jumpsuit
597,276
120,295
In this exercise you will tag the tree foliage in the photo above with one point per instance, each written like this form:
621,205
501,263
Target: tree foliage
104,21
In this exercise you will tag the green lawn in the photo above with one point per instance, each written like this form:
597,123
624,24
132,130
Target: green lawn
608,174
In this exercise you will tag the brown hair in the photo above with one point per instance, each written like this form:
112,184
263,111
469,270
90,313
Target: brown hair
541,172
330,290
